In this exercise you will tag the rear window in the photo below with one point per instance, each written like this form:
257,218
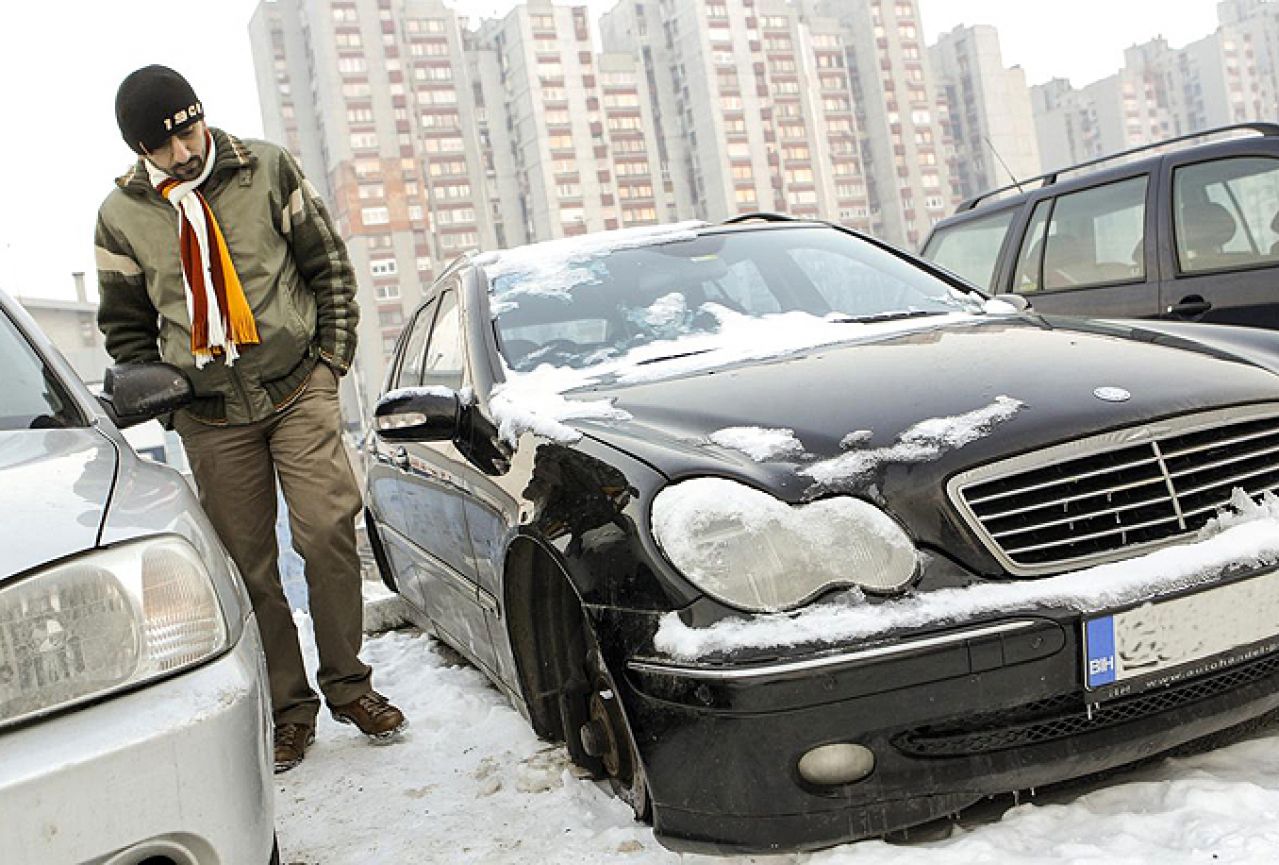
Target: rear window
971,248
1227,213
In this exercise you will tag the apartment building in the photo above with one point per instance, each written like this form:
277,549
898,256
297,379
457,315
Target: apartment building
1227,77
751,106
988,111
429,138
568,133
375,100
903,138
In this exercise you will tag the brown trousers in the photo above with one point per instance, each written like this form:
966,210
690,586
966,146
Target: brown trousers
235,468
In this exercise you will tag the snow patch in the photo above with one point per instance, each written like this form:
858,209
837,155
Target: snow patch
1247,537
383,609
410,392
758,443
925,441
555,267
528,408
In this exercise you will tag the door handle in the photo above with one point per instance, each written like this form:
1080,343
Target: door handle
400,456
1190,306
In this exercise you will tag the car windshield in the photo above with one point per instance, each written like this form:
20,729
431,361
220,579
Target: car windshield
31,397
596,304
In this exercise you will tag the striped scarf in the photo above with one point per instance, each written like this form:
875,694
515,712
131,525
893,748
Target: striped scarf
207,271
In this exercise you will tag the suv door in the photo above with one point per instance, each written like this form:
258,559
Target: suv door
1084,252
1221,244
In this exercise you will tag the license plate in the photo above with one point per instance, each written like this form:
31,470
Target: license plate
1164,642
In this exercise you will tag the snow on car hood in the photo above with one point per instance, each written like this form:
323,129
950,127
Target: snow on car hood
54,489
542,400
856,414
1246,537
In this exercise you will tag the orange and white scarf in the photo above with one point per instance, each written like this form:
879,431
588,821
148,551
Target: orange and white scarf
221,319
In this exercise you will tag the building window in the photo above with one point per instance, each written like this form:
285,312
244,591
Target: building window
383,267
375,216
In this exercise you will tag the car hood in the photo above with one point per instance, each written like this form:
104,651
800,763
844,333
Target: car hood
1035,382
54,490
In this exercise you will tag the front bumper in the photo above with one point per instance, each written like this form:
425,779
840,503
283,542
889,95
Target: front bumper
176,769
951,717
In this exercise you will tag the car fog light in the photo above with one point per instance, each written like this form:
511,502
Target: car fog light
839,763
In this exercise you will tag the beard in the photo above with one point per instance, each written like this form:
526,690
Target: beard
188,170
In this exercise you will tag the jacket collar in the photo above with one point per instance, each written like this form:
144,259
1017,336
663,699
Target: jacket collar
232,155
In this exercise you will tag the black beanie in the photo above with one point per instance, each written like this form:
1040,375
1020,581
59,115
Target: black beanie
152,104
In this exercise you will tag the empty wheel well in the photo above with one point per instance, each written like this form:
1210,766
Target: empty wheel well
379,552
548,638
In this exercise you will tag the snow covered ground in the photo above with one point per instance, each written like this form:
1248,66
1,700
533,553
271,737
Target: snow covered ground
470,783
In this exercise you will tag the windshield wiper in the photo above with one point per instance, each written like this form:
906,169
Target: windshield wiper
671,356
884,316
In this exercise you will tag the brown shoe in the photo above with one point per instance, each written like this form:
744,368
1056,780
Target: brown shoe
374,715
291,741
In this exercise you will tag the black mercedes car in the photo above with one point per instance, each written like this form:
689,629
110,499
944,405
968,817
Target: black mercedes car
797,539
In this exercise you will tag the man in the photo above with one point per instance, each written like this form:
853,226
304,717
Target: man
217,256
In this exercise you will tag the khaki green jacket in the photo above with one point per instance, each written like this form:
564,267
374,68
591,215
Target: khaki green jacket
293,266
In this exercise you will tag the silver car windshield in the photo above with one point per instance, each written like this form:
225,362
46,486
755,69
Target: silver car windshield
31,397
602,304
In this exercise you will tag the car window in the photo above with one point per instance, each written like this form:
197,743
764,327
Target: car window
1030,260
850,285
410,372
593,305
1227,213
1096,236
31,397
971,249
444,350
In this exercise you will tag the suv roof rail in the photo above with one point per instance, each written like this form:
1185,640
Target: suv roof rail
1264,129
762,215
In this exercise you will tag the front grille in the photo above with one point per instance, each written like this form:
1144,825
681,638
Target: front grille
1064,716
1101,498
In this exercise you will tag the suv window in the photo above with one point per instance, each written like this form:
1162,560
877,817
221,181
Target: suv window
1094,237
971,249
1226,213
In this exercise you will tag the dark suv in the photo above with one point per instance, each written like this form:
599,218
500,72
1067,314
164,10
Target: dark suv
1191,233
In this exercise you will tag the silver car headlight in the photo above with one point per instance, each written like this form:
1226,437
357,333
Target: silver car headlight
104,621
756,552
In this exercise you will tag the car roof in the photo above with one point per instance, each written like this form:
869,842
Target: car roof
991,201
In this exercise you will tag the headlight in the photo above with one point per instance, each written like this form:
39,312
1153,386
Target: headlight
753,551
105,621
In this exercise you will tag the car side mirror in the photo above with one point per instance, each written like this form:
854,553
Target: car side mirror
133,393
1017,300
420,414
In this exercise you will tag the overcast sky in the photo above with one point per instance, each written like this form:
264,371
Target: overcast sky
60,63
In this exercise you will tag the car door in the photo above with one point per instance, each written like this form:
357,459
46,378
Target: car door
432,501
1085,252
386,462
1221,239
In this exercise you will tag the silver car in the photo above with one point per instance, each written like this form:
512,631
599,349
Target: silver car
134,718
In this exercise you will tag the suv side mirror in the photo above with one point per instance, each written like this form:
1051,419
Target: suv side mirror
136,392
423,414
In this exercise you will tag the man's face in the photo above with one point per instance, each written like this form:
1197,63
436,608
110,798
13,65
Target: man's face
183,155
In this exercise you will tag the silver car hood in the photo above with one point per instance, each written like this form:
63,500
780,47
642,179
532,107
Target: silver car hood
54,489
